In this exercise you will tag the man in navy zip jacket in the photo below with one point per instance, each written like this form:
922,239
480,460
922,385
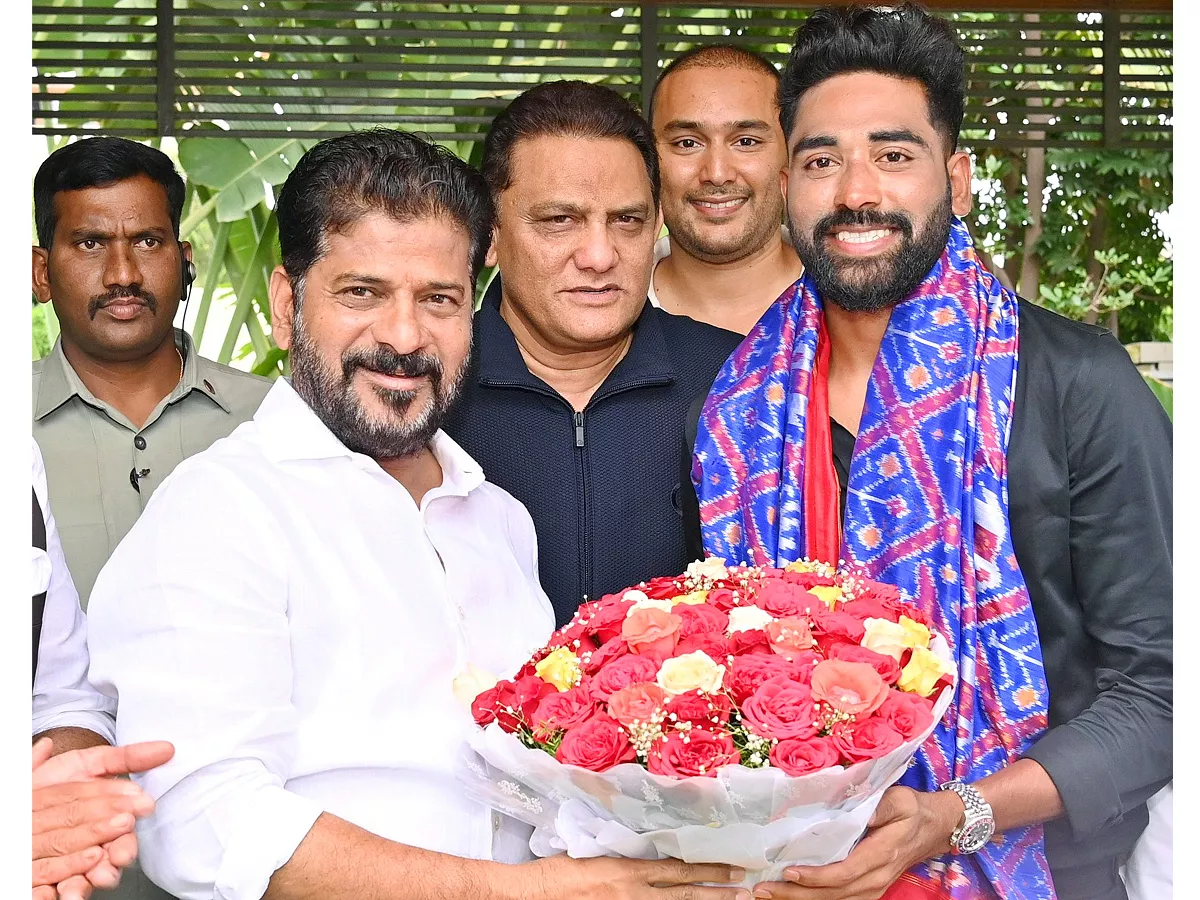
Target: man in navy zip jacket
578,387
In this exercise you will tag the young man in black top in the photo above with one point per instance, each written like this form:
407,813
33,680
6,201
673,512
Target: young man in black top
578,387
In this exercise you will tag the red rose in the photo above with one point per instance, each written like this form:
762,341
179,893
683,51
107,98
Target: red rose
886,666
528,692
612,649
783,599
511,704
747,673
562,710
753,640
807,580
620,673
695,752
797,757
781,709
486,706
715,645
831,628
909,714
608,617
653,631
705,710
662,588
597,744
869,608
721,598
700,618
867,740
574,636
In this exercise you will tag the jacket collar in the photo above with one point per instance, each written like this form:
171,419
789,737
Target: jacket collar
59,381
648,361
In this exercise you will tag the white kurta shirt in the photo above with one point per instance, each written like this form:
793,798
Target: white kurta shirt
286,615
61,694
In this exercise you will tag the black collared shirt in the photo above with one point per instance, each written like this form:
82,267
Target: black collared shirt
602,486
1089,480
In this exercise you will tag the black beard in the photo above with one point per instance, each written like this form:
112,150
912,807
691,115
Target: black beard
331,395
884,281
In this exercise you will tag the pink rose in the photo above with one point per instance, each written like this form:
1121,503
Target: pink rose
612,649
747,673
852,688
597,744
783,599
789,637
715,645
562,710
909,714
700,618
695,752
799,757
636,702
705,710
886,666
652,631
622,672
781,709
866,740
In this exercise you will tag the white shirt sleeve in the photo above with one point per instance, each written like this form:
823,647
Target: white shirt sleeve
62,696
190,629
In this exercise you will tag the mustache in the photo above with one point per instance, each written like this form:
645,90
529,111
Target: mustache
387,361
863,218
121,292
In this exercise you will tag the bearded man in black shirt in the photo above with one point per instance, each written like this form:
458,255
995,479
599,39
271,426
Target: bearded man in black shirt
1007,467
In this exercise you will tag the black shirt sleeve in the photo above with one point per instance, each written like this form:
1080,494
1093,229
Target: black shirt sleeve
1116,752
689,503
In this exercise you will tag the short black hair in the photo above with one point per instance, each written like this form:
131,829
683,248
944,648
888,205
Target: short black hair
99,162
403,175
905,42
714,56
565,109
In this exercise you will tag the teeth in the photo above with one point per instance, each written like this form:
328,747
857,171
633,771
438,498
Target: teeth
862,237
725,204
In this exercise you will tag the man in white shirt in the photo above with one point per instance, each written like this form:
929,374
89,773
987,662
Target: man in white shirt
294,604
727,256
82,818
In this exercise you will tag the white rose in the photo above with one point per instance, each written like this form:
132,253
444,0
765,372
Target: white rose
747,618
693,671
712,567
470,683
641,601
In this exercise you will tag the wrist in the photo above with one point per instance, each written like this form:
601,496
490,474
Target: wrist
944,814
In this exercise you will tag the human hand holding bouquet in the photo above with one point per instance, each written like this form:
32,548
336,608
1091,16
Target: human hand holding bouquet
742,715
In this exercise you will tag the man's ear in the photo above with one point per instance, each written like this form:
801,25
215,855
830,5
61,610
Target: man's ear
783,184
958,167
283,303
41,274
658,221
490,259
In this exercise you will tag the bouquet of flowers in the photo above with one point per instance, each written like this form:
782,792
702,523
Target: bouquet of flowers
743,715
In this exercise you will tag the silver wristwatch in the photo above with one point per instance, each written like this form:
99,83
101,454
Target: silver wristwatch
977,826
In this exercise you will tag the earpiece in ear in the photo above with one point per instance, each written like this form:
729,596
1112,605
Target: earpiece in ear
189,271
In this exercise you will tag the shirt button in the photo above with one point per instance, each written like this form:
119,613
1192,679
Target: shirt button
139,442
495,821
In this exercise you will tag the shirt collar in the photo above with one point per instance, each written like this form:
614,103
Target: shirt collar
648,360
290,431
59,382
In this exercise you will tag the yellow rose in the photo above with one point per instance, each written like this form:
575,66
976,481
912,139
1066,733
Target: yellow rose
923,671
916,634
560,668
695,598
885,637
691,672
827,594
470,683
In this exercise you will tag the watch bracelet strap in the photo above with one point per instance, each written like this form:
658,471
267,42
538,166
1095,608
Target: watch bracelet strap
971,798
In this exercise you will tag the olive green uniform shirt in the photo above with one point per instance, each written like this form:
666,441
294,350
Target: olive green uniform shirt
102,469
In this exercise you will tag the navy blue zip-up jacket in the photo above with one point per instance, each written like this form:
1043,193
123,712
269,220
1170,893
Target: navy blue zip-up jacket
603,485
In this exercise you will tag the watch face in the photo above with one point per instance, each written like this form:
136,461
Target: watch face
976,834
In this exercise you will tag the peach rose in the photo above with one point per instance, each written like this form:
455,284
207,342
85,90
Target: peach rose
789,637
855,689
637,703
652,631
